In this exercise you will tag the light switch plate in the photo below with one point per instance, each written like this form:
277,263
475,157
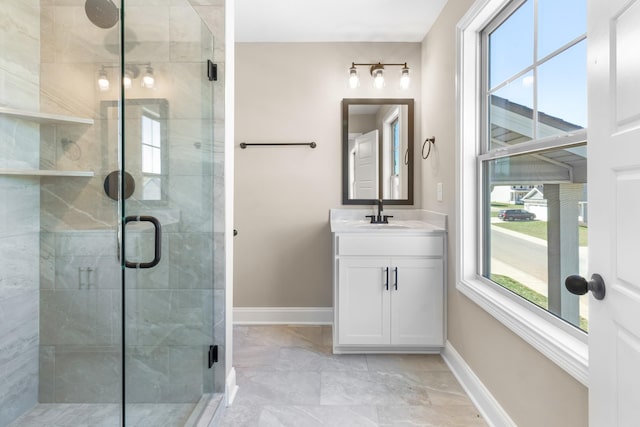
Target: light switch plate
439,191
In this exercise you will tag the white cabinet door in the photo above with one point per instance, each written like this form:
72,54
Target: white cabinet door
363,307
417,304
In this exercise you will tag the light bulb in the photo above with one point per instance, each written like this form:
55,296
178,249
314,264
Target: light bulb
377,72
148,80
404,78
353,77
103,81
126,79
378,79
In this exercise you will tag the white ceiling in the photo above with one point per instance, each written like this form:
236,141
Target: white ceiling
335,20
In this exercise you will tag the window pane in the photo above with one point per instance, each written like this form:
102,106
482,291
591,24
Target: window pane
155,138
157,161
147,159
537,205
559,22
562,92
511,113
511,45
146,129
395,130
151,188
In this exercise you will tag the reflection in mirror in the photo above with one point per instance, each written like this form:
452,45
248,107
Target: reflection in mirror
151,162
377,139
145,144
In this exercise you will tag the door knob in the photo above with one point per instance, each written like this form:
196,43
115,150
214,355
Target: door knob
579,285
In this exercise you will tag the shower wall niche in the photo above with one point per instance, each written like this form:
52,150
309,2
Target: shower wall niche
75,328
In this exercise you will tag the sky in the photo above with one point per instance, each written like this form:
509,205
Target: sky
561,80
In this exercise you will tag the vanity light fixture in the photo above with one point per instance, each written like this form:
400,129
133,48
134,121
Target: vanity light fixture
354,80
377,72
103,80
405,80
127,78
148,79
131,72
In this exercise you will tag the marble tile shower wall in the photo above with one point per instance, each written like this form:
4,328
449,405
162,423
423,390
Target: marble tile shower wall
173,312
20,201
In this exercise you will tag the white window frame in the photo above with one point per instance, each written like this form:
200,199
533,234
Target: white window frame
562,343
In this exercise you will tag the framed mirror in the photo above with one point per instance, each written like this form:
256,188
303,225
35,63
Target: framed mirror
146,145
377,147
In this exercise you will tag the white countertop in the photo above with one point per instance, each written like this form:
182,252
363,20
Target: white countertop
404,220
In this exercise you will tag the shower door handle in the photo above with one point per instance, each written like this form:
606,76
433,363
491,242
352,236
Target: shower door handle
157,238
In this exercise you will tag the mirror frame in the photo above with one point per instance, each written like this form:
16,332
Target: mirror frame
346,102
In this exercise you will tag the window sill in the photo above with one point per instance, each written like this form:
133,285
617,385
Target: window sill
567,349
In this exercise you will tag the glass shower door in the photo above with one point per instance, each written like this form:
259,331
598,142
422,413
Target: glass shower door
168,228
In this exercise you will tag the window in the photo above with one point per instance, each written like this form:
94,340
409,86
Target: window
151,158
523,210
535,89
394,144
395,137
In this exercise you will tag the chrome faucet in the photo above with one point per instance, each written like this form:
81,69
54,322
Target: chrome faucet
379,219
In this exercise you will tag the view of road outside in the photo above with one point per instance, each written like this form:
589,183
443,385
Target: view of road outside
519,250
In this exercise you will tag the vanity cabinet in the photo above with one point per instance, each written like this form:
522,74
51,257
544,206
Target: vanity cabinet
388,292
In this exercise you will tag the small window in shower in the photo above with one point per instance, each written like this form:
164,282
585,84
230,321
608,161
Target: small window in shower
151,158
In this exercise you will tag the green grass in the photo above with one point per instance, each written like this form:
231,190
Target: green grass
530,295
539,229
520,289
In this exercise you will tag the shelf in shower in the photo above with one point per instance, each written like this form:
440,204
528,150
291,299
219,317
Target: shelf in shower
44,118
36,172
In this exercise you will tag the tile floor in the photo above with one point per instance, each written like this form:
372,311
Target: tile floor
104,415
288,376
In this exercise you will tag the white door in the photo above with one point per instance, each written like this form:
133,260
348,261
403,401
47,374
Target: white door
366,166
614,210
417,302
363,301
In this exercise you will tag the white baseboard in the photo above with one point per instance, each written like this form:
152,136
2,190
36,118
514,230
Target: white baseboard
231,388
488,406
282,315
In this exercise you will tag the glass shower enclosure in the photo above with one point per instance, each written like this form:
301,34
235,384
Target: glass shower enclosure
109,311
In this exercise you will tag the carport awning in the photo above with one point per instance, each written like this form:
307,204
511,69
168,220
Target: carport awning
511,124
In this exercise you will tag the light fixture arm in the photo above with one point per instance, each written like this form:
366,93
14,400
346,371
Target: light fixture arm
384,64
128,64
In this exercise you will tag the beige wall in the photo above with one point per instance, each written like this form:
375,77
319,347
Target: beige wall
533,390
292,92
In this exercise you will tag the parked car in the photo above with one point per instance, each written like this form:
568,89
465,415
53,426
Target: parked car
513,214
